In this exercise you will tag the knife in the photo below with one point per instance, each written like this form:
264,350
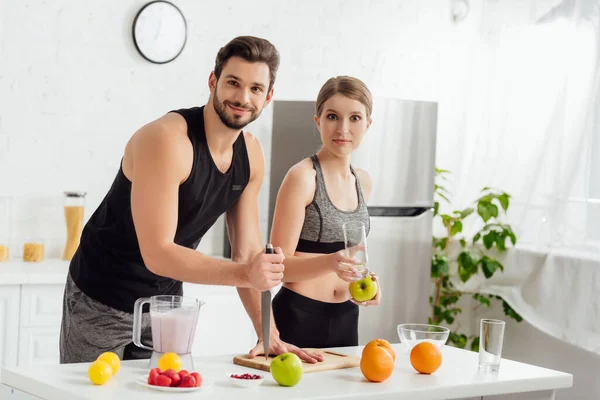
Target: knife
265,309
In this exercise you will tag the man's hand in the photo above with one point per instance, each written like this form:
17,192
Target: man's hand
376,299
277,347
266,270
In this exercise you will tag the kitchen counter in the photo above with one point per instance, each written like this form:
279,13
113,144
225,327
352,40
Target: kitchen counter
457,378
18,272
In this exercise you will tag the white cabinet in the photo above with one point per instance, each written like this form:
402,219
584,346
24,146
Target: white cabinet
30,317
9,324
39,324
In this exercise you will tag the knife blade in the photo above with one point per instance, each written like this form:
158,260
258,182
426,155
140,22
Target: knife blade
265,309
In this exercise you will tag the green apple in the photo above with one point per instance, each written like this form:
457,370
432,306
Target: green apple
286,369
364,289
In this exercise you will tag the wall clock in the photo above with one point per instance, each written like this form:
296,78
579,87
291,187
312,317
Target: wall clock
159,31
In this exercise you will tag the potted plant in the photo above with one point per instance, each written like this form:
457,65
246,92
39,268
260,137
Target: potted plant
458,258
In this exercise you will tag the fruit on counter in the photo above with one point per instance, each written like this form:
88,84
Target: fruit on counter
169,361
187,381
183,372
99,372
426,358
245,376
175,377
171,378
154,373
286,369
363,289
382,343
198,378
111,359
377,360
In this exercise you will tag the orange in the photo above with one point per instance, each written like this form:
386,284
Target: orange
426,358
382,343
377,360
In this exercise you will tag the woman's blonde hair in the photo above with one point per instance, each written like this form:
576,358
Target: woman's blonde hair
348,86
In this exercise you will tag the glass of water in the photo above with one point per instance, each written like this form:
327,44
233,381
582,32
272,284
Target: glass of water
355,242
491,337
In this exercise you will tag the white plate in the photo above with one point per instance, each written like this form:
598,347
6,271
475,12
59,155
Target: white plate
143,381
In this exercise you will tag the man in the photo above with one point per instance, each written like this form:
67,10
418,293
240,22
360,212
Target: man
179,173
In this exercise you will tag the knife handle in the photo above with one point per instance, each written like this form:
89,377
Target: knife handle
269,249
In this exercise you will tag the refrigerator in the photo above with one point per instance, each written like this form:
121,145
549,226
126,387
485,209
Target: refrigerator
399,153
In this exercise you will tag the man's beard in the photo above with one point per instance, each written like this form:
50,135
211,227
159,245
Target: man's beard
233,122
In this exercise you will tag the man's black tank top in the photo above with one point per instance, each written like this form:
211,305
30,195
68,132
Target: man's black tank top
108,265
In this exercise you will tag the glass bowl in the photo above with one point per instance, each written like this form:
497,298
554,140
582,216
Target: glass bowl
412,334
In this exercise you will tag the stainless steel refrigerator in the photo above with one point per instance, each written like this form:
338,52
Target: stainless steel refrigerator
399,153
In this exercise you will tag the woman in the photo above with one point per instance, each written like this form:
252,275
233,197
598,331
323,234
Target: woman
314,308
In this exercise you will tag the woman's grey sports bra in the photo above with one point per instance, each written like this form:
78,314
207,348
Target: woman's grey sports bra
322,230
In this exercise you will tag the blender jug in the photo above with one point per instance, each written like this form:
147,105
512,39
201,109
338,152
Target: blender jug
174,320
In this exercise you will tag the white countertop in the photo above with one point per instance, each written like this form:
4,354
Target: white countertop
19,272
458,377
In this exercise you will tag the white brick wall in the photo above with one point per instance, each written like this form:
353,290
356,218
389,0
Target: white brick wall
73,88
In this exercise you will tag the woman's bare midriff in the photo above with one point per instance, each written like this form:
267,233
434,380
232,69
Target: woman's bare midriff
327,288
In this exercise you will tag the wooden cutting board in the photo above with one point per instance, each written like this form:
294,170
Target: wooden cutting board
332,360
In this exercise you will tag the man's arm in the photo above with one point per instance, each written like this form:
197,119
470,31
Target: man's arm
243,228
244,235
157,160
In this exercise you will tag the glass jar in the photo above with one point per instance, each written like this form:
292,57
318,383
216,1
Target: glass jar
74,208
33,249
4,228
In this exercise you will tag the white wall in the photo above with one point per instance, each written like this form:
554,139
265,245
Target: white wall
73,89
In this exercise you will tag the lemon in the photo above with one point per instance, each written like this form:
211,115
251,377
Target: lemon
100,372
111,359
169,361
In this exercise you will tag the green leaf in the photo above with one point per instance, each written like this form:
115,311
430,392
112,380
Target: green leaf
467,265
449,300
503,199
476,237
440,243
512,236
500,241
456,228
439,188
466,212
489,266
463,242
436,208
443,196
484,301
485,188
509,312
459,341
439,266
487,210
475,344
489,239
446,219
483,210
